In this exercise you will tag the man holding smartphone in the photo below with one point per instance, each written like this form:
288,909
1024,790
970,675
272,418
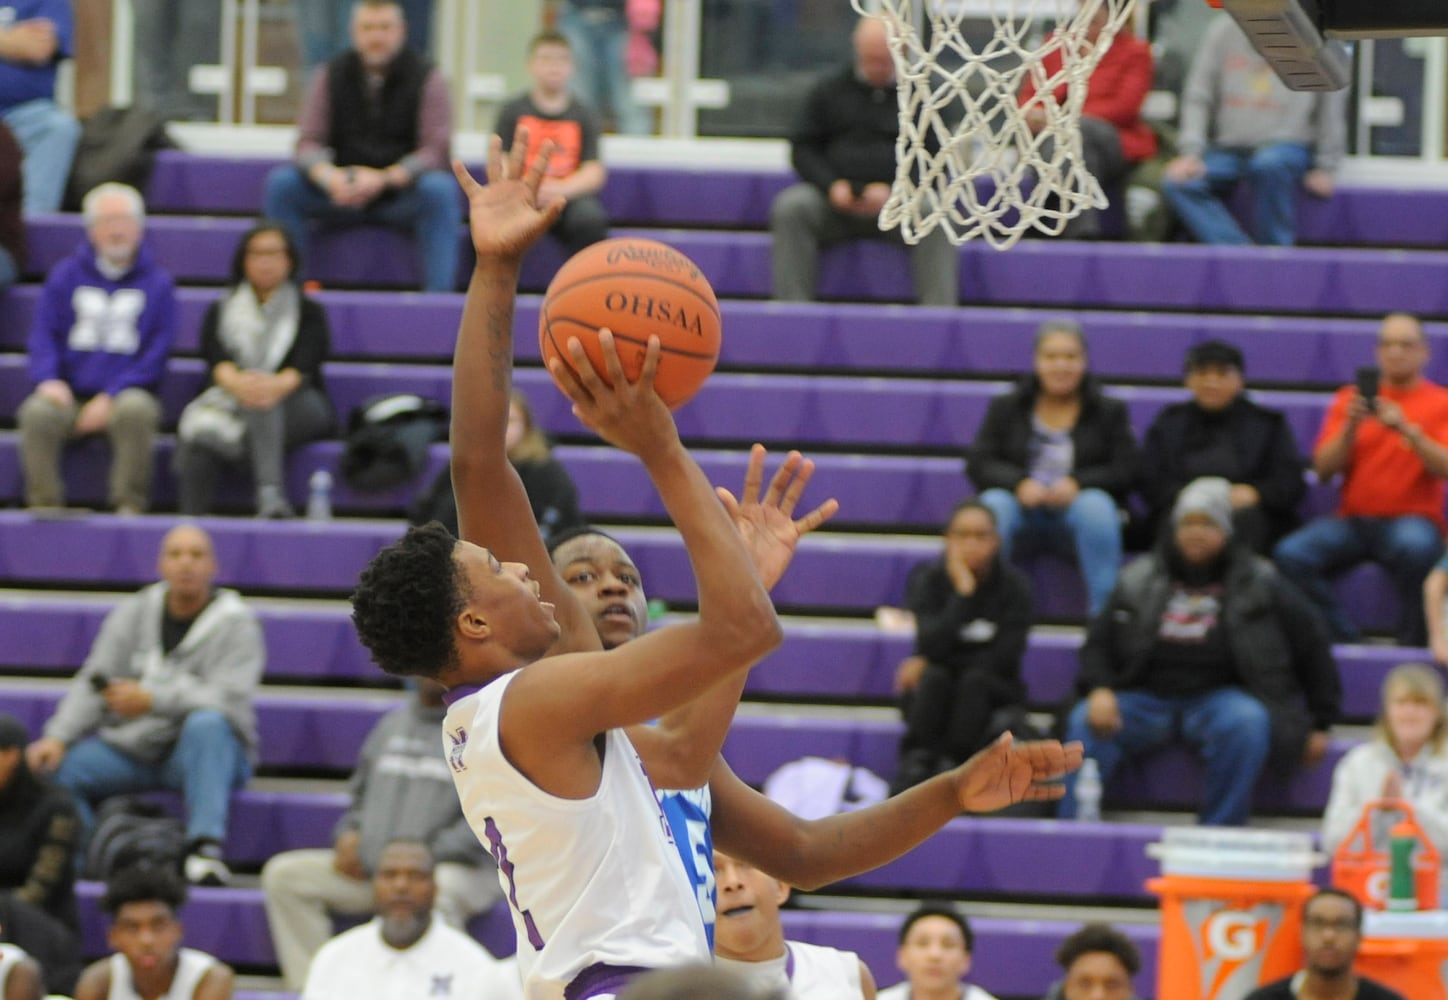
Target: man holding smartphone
1387,442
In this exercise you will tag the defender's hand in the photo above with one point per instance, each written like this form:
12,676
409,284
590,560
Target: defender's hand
505,215
767,526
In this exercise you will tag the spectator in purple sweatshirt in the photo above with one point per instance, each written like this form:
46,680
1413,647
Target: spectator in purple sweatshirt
98,346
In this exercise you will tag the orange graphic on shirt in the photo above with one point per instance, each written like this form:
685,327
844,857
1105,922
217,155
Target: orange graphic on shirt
567,137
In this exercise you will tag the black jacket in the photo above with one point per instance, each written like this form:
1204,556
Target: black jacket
1003,599
846,130
1263,442
1279,644
38,832
999,458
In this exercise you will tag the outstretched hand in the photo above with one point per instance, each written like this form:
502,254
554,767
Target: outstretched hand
628,415
1007,772
767,525
505,215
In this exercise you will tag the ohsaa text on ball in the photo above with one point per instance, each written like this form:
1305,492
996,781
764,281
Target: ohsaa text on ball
660,258
648,307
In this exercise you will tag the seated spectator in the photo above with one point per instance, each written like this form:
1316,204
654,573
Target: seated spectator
38,831
34,40
1114,138
749,940
406,951
1221,432
1203,641
548,111
99,340
1098,961
1053,458
551,491
167,690
373,141
401,790
843,148
935,954
12,221
1407,759
144,905
54,946
264,343
1332,931
20,975
1392,454
1239,121
972,618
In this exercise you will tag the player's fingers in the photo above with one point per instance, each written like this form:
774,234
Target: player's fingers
754,473
466,180
779,482
516,163
533,176
583,371
567,379
612,363
552,211
817,517
652,353
802,470
731,505
497,168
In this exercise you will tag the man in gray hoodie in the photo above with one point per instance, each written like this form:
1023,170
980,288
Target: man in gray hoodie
1240,122
401,790
164,700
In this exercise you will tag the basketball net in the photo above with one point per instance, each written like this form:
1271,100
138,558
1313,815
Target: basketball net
967,157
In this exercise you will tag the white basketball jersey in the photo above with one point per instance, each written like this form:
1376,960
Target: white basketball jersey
10,956
902,992
806,972
590,882
191,965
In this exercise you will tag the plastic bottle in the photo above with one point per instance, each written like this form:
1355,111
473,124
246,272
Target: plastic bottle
657,609
1402,880
319,496
1088,791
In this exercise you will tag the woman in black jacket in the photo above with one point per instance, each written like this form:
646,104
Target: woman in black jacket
1054,458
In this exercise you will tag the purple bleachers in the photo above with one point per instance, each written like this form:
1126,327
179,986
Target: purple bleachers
868,338
1099,275
1012,956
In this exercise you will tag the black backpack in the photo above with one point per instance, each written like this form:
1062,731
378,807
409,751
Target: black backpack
116,144
132,831
387,440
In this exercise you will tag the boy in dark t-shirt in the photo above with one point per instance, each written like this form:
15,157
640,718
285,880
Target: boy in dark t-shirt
1332,923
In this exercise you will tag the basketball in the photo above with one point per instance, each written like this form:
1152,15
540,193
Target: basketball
637,288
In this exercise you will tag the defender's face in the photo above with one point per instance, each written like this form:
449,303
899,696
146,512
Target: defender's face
606,580
748,909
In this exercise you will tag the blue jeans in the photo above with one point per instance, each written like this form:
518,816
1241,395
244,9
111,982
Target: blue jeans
430,208
206,764
47,134
1407,547
599,40
1275,171
1228,727
1088,531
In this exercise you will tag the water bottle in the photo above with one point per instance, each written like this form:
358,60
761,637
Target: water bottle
319,497
1088,791
1402,873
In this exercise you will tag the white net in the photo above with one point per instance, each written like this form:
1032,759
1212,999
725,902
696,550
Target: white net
972,157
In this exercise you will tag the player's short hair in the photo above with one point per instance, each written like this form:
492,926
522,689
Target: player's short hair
555,542
969,503
407,600
143,884
944,912
548,38
1333,892
1099,937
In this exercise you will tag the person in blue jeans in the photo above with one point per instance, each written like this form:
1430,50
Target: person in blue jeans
1240,122
374,146
1203,642
597,32
164,700
35,36
1054,458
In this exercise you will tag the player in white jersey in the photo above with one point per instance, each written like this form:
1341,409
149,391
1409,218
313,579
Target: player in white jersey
936,948
749,940
149,962
20,977
546,776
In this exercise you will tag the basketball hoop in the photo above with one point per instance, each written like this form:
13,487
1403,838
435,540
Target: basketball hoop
967,157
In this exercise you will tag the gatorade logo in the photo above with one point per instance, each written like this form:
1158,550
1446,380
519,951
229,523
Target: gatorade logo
1231,943
1377,886
1232,936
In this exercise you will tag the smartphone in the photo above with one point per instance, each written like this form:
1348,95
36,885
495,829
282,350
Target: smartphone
99,682
1367,386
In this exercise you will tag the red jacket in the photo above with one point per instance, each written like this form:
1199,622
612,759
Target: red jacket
1117,89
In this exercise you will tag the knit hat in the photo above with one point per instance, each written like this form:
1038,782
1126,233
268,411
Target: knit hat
1215,352
1209,495
12,732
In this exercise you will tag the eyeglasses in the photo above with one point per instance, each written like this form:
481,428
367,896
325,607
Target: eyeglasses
1344,925
1404,345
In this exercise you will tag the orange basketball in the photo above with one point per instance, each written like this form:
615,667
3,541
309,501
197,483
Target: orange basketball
636,288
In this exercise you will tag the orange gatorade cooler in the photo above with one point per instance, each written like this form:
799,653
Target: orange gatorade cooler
1407,952
1231,909
1362,864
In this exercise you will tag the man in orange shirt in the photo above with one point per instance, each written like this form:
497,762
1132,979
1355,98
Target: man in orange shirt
1113,135
1390,452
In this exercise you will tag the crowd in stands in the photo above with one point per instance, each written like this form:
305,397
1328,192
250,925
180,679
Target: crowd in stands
1217,635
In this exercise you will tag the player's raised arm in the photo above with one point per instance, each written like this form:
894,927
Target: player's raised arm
493,510
557,700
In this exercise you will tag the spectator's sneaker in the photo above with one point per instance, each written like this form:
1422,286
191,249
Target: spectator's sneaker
204,865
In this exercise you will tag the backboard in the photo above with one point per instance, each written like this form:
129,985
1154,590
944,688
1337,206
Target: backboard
1302,39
